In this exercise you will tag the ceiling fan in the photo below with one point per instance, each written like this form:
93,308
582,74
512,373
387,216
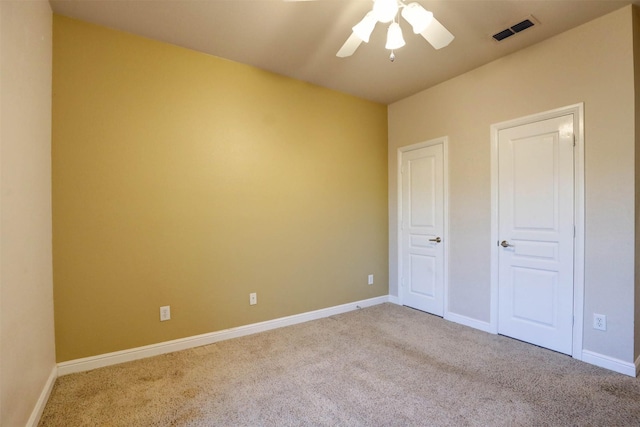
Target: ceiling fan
385,11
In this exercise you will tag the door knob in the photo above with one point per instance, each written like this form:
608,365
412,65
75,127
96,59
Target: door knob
506,244
437,240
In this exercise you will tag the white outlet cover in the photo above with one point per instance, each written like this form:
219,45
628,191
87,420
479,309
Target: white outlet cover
253,298
600,322
165,313
370,279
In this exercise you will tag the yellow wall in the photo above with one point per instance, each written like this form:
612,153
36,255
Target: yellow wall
592,63
187,180
27,353
636,92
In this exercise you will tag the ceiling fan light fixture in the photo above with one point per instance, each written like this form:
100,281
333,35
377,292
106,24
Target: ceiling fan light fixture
385,10
364,28
421,20
394,37
417,16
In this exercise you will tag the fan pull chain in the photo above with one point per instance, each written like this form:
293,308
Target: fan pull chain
392,57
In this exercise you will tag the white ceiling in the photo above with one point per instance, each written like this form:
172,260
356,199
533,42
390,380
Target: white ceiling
299,39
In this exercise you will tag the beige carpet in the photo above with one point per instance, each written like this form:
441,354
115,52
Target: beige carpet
381,366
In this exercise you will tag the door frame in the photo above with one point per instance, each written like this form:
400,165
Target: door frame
444,141
577,110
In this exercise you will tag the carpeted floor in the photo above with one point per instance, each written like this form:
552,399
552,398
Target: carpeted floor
380,366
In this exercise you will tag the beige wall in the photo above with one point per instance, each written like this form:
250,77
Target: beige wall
592,64
187,180
27,356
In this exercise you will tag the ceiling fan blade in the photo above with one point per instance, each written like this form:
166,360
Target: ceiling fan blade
437,34
349,47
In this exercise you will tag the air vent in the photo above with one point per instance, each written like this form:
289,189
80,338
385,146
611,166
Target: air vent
503,34
529,22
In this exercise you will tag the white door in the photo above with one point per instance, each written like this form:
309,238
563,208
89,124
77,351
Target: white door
422,229
536,232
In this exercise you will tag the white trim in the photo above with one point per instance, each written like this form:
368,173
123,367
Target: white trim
611,363
447,246
445,237
394,300
34,419
468,321
577,110
93,362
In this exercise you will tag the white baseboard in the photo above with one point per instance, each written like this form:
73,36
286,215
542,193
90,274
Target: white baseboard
611,363
394,299
34,419
93,362
468,321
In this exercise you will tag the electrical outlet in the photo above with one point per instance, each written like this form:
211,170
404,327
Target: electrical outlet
600,322
370,279
165,313
253,298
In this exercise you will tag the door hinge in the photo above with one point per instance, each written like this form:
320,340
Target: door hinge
574,139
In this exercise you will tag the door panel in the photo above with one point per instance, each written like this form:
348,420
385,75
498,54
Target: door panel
421,172
422,225
536,228
422,275
532,289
